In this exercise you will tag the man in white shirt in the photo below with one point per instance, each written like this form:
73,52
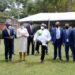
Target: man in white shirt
58,33
42,35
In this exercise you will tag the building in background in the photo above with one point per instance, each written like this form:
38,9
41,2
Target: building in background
14,21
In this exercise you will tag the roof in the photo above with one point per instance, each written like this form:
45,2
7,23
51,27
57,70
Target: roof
49,17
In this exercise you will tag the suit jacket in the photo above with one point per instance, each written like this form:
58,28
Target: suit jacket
6,36
69,37
74,35
53,35
31,32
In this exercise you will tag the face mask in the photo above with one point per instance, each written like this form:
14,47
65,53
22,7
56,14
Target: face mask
9,27
66,27
22,27
57,26
42,27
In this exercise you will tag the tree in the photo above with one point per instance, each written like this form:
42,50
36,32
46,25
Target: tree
30,7
3,5
14,8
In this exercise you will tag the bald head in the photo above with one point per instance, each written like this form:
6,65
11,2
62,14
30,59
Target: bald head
57,24
66,25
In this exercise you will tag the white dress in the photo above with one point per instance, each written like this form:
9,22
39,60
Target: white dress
22,41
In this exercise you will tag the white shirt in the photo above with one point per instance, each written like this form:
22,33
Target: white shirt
44,36
38,35
67,32
58,33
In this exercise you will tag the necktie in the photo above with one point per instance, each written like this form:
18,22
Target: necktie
8,30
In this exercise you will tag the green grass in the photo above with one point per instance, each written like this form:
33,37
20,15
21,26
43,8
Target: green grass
32,65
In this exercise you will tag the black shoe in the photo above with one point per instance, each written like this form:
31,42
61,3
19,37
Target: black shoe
54,58
10,59
42,61
38,52
74,60
32,54
6,60
46,53
27,54
60,59
67,60
14,54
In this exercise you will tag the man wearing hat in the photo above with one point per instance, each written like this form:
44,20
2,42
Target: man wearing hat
43,36
8,35
68,41
56,34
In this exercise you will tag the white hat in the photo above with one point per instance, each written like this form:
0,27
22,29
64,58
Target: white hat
43,24
57,23
8,21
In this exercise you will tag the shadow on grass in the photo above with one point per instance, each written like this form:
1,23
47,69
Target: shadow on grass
11,62
29,63
26,63
59,61
2,61
33,63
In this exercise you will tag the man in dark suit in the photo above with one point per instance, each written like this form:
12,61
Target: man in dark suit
68,41
74,35
56,33
31,31
8,35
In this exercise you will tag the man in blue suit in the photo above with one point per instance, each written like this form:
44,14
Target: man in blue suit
56,33
8,35
74,35
68,41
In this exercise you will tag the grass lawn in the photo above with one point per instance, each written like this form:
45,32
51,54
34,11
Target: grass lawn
32,65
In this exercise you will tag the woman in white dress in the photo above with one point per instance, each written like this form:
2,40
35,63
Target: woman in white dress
22,35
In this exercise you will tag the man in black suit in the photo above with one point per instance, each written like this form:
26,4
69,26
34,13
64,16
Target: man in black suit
31,31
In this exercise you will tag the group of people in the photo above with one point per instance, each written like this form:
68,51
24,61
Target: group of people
63,36
29,35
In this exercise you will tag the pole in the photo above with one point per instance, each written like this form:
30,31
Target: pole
49,24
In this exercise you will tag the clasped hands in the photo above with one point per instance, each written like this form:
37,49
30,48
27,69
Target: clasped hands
23,35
